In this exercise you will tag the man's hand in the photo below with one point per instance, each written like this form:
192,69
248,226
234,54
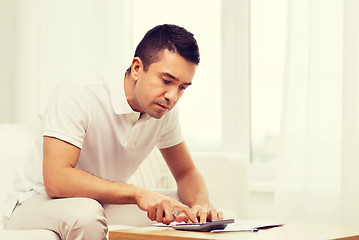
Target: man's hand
160,208
203,214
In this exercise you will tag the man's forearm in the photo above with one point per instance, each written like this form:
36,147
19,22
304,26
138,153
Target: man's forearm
192,189
72,182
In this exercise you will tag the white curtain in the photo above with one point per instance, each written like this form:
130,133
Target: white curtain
57,38
317,177
350,142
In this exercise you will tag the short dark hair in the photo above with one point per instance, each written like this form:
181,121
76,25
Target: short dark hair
174,38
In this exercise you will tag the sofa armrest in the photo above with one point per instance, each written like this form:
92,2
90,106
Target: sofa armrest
226,176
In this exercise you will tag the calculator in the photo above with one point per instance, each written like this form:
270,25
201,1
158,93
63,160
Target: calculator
204,227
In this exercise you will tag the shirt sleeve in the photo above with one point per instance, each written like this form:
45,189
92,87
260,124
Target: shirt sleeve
66,116
172,132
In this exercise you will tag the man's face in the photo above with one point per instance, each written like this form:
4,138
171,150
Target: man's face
158,89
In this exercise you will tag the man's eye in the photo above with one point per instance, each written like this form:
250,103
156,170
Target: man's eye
166,81
182,87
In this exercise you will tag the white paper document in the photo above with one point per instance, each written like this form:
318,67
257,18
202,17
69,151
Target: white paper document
245,226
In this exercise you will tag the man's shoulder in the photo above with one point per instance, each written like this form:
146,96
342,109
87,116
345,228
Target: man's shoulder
80,87
83,79
90,82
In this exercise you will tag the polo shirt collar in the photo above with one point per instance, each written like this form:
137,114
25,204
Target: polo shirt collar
117,92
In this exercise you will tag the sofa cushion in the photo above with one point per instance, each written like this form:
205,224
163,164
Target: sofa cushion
15,142
28,235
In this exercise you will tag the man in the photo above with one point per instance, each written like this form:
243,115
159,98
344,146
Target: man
98,127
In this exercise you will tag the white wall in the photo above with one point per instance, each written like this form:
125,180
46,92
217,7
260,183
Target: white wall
7,45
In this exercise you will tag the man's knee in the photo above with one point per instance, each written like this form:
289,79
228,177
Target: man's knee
87,221
87,211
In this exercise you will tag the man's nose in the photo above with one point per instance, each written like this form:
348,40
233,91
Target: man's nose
172,94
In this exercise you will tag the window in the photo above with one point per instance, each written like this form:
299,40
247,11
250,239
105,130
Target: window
267,50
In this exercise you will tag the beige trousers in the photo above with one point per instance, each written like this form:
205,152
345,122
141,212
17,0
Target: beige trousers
76,218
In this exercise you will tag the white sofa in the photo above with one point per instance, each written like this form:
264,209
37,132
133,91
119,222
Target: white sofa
224,173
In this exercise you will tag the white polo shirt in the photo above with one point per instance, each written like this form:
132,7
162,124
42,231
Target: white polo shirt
90,111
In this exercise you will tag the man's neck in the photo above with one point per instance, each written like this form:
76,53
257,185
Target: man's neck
129,86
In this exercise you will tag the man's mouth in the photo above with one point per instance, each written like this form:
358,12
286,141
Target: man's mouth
163,106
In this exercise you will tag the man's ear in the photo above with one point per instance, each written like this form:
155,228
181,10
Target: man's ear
136,68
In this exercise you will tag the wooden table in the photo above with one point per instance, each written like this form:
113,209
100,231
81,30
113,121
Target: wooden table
288,231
